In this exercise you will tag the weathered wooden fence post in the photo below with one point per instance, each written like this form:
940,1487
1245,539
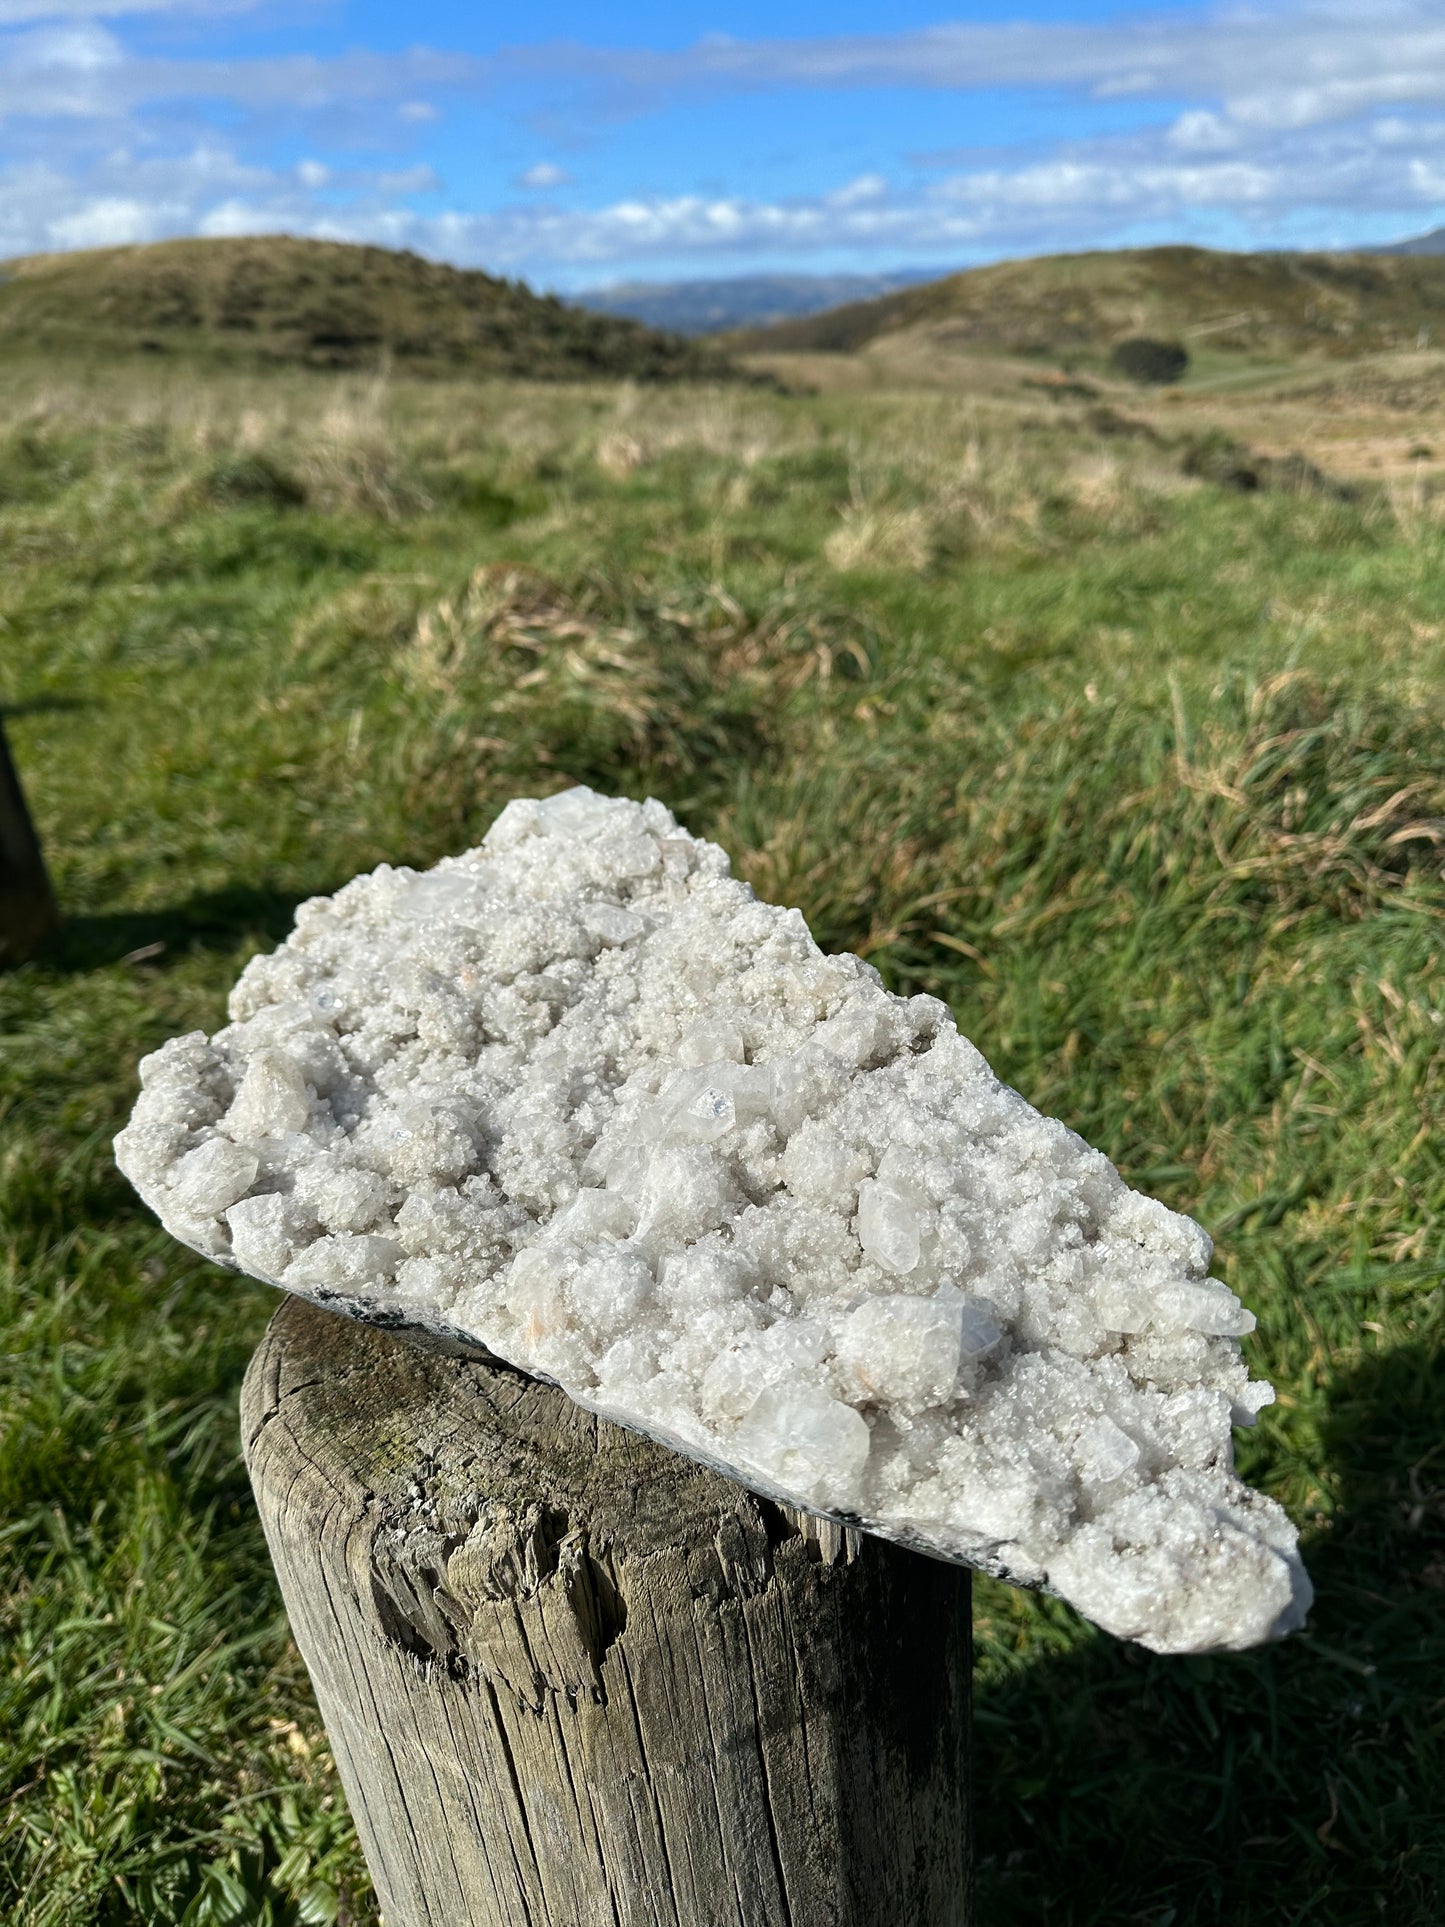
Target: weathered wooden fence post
28,913
573,1679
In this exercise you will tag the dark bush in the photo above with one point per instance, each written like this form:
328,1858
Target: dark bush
1217,457
1149,362
1109,422
476,494
249,481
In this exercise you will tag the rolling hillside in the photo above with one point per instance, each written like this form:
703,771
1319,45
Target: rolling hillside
275,300
1250,305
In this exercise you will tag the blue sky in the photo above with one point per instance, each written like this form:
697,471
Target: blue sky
580,144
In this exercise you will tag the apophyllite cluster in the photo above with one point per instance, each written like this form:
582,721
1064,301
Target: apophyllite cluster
579,1097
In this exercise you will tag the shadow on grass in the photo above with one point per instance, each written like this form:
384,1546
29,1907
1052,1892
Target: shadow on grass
40,706
217,920
1302,1783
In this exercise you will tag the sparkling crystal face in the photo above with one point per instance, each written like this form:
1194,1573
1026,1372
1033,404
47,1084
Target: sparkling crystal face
580,1097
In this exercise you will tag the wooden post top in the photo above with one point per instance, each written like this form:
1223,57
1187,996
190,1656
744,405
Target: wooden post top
572,1676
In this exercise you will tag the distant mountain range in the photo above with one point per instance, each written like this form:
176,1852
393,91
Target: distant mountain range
1431,243
741,301
749,304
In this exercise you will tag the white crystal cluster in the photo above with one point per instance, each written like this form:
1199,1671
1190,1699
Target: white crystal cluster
578,1095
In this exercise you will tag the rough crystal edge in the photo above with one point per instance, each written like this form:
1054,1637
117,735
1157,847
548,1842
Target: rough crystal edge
435,1335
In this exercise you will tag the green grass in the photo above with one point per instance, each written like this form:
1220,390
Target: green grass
1145,776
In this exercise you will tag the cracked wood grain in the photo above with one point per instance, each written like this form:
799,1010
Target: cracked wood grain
573,1679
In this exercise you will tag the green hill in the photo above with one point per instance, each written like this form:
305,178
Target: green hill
1264,305
326,304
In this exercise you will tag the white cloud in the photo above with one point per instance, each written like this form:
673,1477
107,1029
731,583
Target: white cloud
1284,65
83,72
420,179
859,192
1294,120
234,217
1286,192
545,174
64,50
1201,132
1427,178
128,197
107,223
1276,66
13,12
1141,187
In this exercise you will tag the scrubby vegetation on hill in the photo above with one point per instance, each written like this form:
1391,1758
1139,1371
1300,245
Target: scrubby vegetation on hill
278,300
1083,304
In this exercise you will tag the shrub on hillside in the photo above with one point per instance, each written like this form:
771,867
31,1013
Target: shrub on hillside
246,480
1218,458
1149,362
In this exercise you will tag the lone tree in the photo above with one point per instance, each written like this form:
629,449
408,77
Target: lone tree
28,912
1149,362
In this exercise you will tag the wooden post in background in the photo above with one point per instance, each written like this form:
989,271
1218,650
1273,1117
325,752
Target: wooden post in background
573,1679
28,913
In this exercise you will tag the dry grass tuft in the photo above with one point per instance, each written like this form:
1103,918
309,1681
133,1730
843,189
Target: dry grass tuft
880,539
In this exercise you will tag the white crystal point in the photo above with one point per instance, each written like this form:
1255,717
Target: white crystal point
579,1097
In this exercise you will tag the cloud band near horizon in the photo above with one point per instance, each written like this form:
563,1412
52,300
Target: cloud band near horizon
1302,124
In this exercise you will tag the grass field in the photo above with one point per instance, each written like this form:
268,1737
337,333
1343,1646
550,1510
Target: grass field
1145,774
